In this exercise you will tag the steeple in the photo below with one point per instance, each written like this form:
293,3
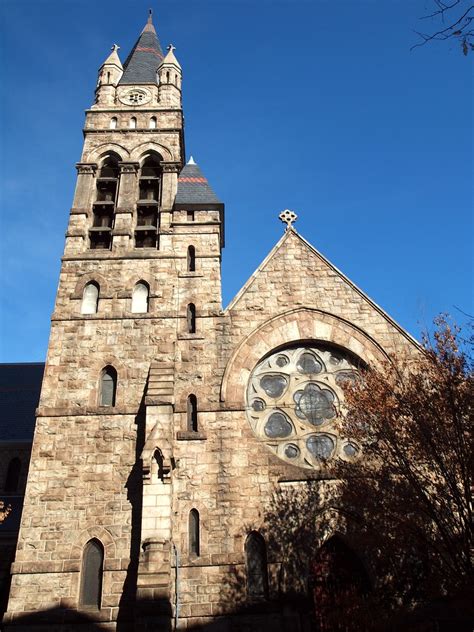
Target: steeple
145,57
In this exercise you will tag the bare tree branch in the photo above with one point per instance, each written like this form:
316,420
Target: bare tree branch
459,19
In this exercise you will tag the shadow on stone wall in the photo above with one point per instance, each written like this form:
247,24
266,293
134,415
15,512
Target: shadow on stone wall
269,616
134,487
57,620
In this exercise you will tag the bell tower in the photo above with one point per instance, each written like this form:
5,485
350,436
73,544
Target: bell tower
138,298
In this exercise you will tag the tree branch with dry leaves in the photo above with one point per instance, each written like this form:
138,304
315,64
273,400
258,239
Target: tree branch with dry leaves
4,511
414,485
454,21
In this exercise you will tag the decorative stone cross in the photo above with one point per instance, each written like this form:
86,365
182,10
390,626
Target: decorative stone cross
171,48
288,218
115,47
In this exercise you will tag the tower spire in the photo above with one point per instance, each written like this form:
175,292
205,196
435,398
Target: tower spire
144,58
149,27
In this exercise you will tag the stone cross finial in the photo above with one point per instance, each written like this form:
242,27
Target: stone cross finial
288,217
115,48
171,48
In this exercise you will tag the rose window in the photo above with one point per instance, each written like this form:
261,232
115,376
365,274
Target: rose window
294,400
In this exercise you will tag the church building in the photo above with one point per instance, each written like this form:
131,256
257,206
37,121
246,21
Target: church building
167,423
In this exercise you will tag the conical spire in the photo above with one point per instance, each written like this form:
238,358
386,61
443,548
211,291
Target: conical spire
145,57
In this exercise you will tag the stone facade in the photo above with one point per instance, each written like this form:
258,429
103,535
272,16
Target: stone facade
129,474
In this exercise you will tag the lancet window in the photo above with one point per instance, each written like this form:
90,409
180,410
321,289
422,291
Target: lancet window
191,318
90,298
140,298
191,259
104,205
194,533
108,386
192,413
146,232
256,565
91,574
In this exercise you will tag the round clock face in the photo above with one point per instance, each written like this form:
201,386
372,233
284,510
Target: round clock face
136,96
294,400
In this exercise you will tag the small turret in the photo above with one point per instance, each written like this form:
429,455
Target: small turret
109,75
169,79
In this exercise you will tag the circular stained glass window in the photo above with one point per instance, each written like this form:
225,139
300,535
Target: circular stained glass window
296,395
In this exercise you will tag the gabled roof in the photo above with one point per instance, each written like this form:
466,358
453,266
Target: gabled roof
292,233
20,386
144,59
194,190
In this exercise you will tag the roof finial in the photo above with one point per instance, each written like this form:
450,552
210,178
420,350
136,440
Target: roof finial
191,161
150,16
115,48
170,48
288,217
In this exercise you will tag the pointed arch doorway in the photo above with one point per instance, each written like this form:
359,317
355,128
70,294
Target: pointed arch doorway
339,585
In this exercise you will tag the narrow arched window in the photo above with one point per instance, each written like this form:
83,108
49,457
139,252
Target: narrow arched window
108,386
140,298
256,565
90,298
191,318
194,544
192,413
91,574
167,77
191,259
152,124
113,122
108,77
133,123
12,479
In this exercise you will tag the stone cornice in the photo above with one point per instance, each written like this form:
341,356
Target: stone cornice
126,130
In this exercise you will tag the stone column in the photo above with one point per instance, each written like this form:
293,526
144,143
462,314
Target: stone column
169,188
124,210
81,211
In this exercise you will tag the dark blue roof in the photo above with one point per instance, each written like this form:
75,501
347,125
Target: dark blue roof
144,59
20,387
194,189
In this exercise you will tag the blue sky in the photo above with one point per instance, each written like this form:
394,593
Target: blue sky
317,106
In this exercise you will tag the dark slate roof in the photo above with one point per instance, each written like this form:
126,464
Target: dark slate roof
144,59
20,386
194,189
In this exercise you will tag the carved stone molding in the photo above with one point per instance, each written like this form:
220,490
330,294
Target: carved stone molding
171,167
129,167
86,168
